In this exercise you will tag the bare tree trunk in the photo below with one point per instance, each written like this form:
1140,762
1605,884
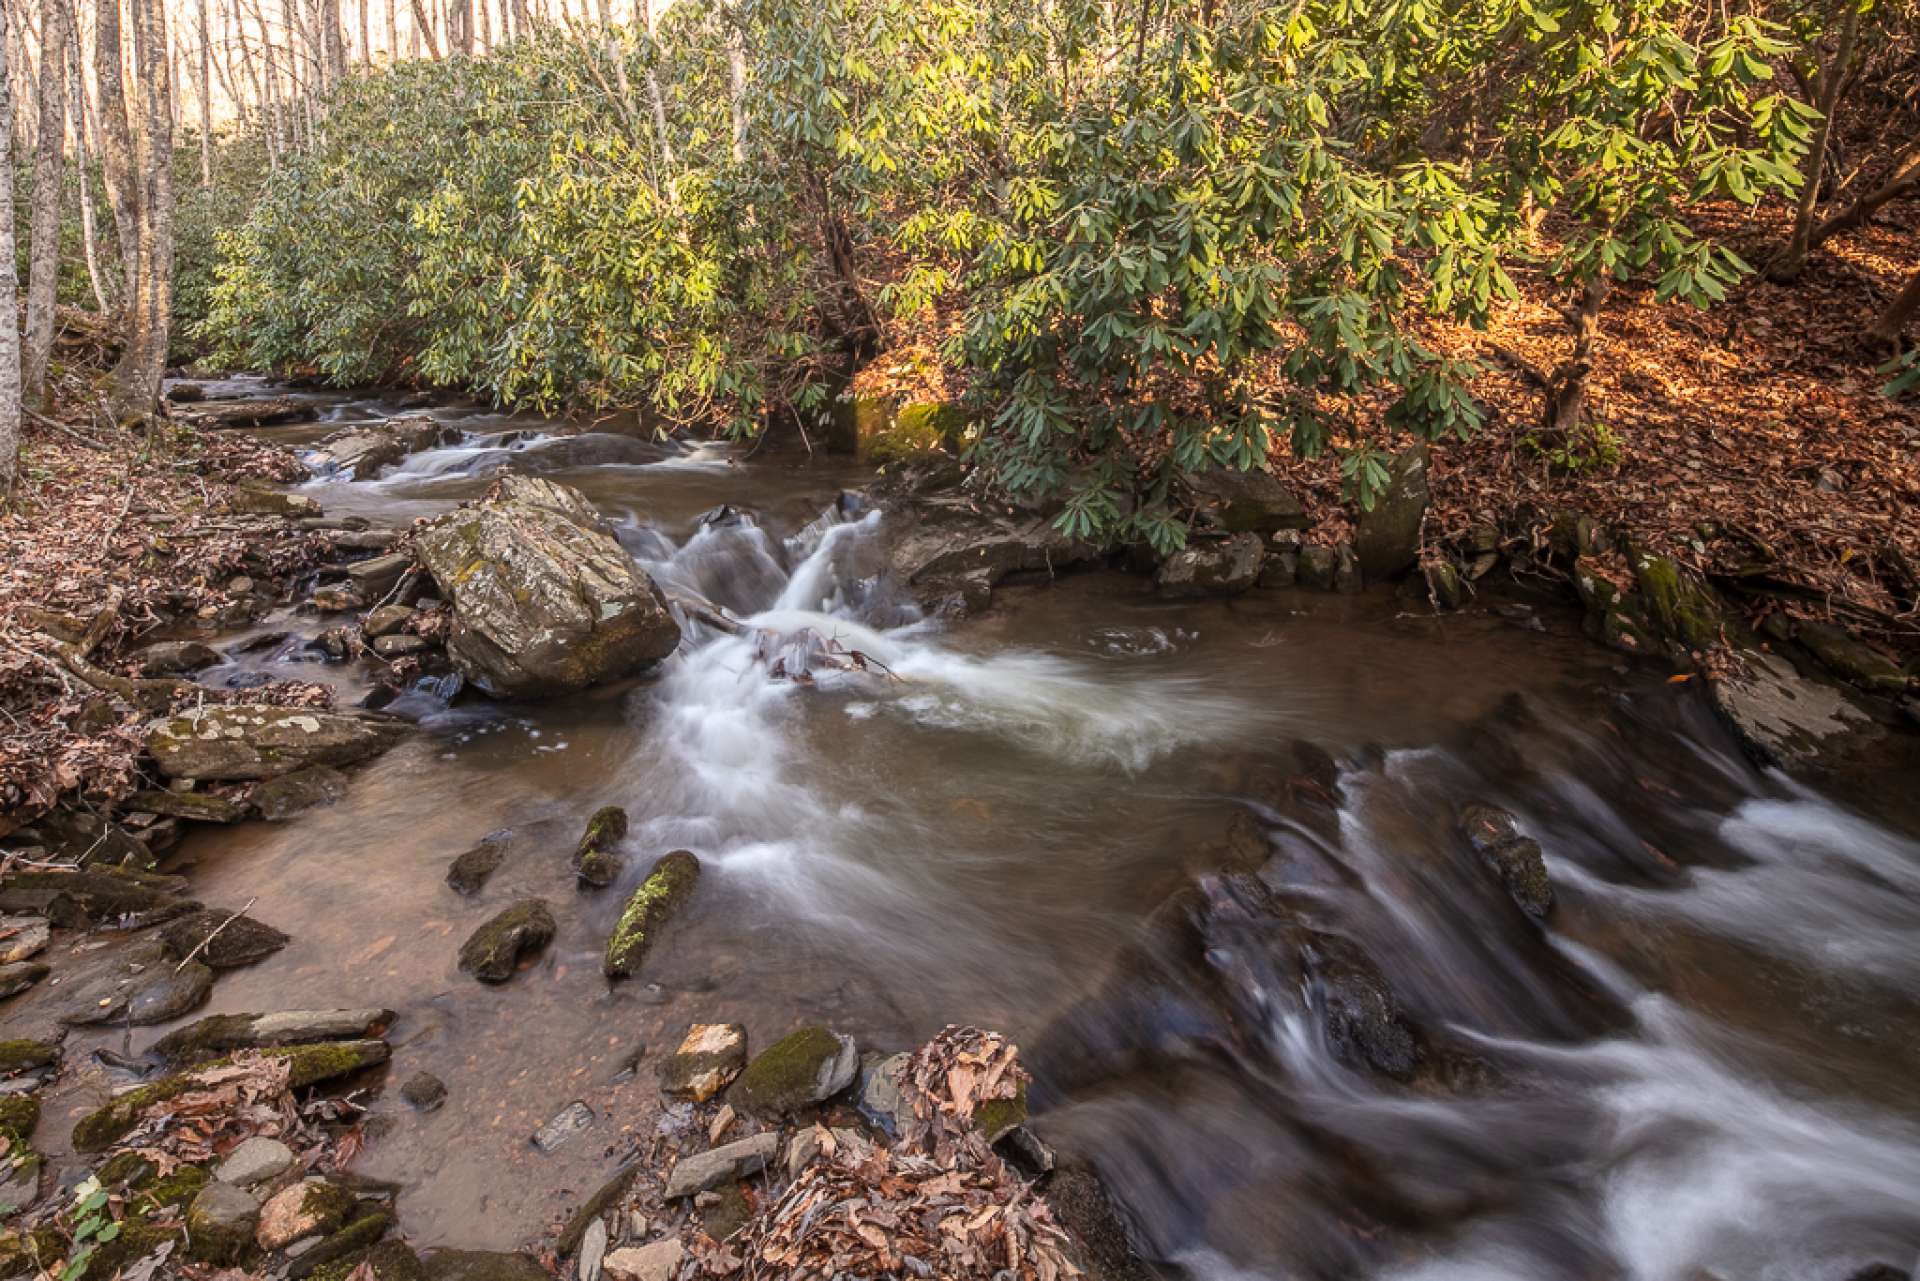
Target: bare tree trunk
49,173
460,26
9,285
366,31
1788,266
393,29
206,99
135,384
116,142
83,150
486,24
736,82
423,30
522,20
333,44
1566,401
1899,313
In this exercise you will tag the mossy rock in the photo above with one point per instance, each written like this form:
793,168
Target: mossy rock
136,1241
1683,609
596,860
800,1069
388,1261
310,1064
481,1265
1850,659
994,1118
31,1253
221,940
356,1239
728,1215
19,1114
220,1225
917,430
670,881
493,951
20,1055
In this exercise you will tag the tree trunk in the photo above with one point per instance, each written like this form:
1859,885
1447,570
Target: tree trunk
1906,178
49,174
460,27
333,44
736,82
423,30
1566,395
83,150
134,393
9,283
205,88
116,143
1899,313
393,29
1788,266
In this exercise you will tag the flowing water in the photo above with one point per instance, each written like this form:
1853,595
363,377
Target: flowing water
1089,818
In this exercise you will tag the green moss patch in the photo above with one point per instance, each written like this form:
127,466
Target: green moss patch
670,881
596,860
18,1056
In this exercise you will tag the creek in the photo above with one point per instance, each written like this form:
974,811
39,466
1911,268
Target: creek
1704,1062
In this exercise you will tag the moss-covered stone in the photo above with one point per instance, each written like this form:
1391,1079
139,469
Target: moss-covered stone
19,1055
995,1117
722,1218
310,1064
800,1069
359,1235
19,1114
388,1261
30,1253
136,1240
481,1265
596,860
1850,659
220,1225
221,940
165,1191
1680,607
670,881
493,951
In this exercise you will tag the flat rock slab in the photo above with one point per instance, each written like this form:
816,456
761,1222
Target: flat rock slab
1780,717
257,740
219,1034
255,1161
659,1261
563,1126
704,1170
141,985
221,940
19,976
279,799
22,936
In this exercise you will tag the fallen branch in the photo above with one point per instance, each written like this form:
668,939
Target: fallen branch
214,933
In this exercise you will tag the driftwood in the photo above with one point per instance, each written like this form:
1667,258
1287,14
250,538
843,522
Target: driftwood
788,656
249,413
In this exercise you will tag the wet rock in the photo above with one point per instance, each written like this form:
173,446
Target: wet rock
425,1091
1681,608
141,985
310,1207
364,540
1387,540
1850,659
257,741
175,658
493,951
562,1126
23,1055
593,1249
468,873
607,1198
481,1265
221,940
1781,718
98,896
802,1068
724,1211
596,859
363,1229
1318,563
257,1160
544,599
1346,570
948,551
307,1065
880,1096
710,1056
201,807
279,799
1222,568
219,1034
387,620
1516,860
1247,501
362,453
704,1170
1080,1203
378,575
1280,569
657,1261
337,600
1444,587
19,976
401,646
221,1222
1358,1008
649,909
21,937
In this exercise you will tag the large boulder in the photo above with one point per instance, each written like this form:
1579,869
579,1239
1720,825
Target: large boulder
1212,569
952,554
1387,542
1780,717
544,599
256,740
361,453
1247,501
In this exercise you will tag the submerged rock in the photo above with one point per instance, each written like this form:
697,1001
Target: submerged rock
19,976
361,453
278,799
1357,1006
709,1057
425,1091
1781,718
596,859
1387,540
1516,860
562,1126
258,741
221,940
649,908
802,1068
493,951
1221,568
469,873
545,600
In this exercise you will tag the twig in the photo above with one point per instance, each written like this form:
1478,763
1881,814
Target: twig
89,441
213,934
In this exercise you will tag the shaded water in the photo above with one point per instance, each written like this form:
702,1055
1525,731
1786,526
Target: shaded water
1708,1063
